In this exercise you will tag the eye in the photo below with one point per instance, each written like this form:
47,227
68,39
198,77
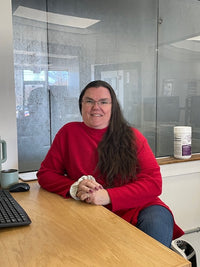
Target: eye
103,102
88,101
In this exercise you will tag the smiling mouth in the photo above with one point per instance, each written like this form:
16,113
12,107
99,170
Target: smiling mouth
96,115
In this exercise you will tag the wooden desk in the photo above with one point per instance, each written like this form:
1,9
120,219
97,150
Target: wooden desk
71,233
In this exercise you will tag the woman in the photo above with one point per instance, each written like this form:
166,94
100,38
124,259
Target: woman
103,161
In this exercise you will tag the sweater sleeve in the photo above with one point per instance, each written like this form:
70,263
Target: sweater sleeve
148,184
52,174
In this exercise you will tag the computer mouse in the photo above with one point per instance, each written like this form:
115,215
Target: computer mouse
19,187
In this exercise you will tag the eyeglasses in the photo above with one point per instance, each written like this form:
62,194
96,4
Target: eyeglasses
100,103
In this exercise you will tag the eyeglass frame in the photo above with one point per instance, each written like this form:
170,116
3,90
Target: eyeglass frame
101,102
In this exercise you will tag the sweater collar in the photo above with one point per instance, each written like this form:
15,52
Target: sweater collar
93,130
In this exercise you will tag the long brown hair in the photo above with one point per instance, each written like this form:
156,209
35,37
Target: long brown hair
117,151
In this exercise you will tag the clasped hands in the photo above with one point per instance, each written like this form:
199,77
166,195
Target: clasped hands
92,192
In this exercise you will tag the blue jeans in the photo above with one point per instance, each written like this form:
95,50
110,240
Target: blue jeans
157,221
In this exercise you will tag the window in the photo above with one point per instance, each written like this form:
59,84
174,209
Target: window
150,58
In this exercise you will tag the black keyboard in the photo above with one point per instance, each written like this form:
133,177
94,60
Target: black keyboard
11,213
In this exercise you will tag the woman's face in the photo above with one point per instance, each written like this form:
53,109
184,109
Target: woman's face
96,107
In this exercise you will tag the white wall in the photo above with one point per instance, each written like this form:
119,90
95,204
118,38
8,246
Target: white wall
181,191
8,130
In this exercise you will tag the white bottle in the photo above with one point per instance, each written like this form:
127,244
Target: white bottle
182,142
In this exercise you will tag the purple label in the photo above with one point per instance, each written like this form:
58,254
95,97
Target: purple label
186,150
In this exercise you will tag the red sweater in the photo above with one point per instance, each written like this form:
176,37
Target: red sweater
74,153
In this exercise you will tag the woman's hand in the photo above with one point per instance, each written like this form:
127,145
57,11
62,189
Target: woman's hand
100,197
86,187
92,192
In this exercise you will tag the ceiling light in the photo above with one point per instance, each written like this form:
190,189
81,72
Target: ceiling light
54,18
195,38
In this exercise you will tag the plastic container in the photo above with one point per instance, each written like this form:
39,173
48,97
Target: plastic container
182,142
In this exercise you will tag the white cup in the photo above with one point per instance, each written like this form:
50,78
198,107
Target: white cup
3,154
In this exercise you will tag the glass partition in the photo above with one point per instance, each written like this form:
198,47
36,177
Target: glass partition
178,93
142,48
31,86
